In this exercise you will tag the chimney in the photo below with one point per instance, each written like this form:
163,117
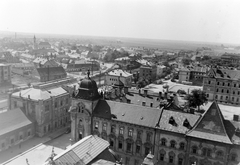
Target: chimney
145,92
235,117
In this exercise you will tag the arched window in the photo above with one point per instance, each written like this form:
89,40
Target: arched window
172,144
163,142
206,152
182,146
233,157
194,149
219,154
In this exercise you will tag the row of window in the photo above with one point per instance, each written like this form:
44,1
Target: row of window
171,159
227,91
173,144
47,128
21,137
208,152
226,84
226,98
121,131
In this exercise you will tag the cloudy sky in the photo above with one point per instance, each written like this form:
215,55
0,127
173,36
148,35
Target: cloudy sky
194,20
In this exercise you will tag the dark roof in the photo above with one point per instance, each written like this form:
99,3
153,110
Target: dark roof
12,120
128,113
51,71
225,73
233,131
211,126
179,118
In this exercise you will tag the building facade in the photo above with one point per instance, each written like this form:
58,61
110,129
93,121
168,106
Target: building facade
5,74
113,76
47,108
173,136
222,85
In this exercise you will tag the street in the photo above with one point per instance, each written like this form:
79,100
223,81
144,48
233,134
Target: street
36,154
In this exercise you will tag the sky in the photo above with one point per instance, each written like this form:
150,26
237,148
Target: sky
188,20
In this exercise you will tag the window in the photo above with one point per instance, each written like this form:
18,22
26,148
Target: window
233,92
194,149
217,83
46,107
129,147
130,132
127,160
139,133
180,161
233,157
227,91
237,99
163,142
138,148
128,101
20,137
235,85
170,159
182,146
111,143
112,129
216,97
223,84
143,103
228,84
207,95
172,144
217,90
120,145
207,152
121,131
29,133
96,125
147,150
148,136
222,90
232,98
209,82
55,104
221,97
151,104
220,154
226,97
162,157
104,127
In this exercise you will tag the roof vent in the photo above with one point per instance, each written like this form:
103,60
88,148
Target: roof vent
141,118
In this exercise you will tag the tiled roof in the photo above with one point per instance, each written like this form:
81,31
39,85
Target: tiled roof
39,94
84,151
119,72
12,120
226,73
128,113
211,126
179,118
44,43
51,71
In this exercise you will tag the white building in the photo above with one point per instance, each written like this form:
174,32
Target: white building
160,69
113,76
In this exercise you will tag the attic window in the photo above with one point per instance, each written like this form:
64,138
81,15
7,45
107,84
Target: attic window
172,121
186,123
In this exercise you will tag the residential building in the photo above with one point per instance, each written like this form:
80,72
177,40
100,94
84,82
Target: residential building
81,65
184,75
5,74
49,73
23,68
222,85
170,134
160,69
113,76
229,58
44,62
44,45
15,128
46,107
148,72
91,150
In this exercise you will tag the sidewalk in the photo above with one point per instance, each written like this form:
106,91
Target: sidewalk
13,152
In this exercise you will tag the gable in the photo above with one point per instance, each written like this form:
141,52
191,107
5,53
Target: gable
211,126
211,73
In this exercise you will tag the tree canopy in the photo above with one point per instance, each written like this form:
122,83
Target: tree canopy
196,98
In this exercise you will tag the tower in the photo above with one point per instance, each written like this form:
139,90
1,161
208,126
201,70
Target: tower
83,104
34,42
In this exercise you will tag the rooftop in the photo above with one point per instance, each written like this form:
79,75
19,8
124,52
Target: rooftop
12,120
119,72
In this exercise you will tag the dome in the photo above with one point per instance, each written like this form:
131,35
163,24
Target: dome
88,84
88,89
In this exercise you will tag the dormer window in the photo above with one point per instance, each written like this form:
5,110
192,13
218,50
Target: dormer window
172,121
186,123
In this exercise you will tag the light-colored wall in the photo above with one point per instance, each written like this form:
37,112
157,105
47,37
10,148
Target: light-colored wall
183,76
111,80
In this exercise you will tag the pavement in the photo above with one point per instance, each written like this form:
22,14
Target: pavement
36,149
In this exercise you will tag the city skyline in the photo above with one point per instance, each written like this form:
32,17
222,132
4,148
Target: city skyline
184,20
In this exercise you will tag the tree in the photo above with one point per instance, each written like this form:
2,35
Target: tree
186,61
196,98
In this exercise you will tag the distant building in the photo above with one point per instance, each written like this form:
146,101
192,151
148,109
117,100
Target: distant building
44,45
91,150
5,74
184,75
229,58
47,108
49,73
113,76
23,68
222,85
44,62
148,72
15,128
81,66
160,69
